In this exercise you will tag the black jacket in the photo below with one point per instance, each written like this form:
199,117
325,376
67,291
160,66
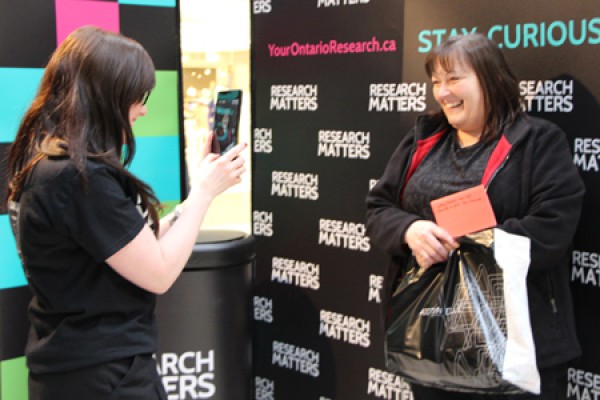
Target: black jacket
535,191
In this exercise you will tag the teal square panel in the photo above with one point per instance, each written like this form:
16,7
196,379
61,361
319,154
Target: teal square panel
11,271
156,162
18,87
150,3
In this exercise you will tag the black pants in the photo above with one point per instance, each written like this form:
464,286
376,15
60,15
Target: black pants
133,378
554,387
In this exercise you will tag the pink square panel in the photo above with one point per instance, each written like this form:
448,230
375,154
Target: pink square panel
72,14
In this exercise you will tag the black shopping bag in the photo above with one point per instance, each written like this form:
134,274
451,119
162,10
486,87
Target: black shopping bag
446,326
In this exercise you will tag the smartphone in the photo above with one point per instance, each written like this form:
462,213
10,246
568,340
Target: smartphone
227,120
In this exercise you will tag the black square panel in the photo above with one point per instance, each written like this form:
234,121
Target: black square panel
28,32
14,325
157,29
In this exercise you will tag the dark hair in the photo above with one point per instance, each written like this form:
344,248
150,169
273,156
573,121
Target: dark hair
82,109
502,101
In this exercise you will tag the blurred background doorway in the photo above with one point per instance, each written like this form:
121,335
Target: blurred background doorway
215,56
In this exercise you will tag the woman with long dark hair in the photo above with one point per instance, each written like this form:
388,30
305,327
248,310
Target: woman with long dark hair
94,251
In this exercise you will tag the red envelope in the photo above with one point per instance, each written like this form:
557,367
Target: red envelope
464,212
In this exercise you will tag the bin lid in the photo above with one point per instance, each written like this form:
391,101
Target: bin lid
217,248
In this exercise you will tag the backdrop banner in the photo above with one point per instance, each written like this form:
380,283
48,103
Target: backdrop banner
336,85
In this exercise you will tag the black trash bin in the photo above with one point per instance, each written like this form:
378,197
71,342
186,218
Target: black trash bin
204,342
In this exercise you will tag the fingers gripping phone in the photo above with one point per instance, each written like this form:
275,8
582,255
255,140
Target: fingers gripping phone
227,119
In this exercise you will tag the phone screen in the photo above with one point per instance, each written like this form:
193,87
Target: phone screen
227,119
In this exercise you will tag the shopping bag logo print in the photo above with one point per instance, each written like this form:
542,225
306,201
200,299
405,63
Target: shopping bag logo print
447,325
475,321
434,312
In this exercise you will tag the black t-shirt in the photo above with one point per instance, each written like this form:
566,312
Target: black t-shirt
447,168
82,312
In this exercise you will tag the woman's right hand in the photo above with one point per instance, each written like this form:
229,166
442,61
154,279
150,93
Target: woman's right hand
216,173
153,264
429,243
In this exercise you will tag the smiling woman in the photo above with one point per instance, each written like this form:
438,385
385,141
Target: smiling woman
481,136
459,94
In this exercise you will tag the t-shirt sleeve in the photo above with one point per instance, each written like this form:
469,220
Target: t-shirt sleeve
101,217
